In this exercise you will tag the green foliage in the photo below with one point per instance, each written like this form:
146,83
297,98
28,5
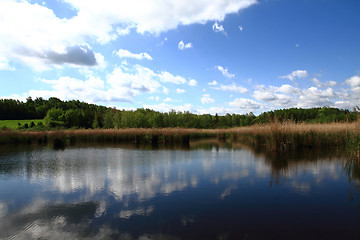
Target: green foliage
54,117
76,114
18,124
109,118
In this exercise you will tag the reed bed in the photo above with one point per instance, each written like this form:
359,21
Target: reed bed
290,136
275,136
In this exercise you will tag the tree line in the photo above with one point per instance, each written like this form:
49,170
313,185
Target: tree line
75,114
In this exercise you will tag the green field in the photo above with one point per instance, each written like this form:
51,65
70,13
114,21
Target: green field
13,124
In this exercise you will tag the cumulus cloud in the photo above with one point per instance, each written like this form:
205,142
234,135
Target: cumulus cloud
314,97
68,88
33,34
219,28
276,99
245,104
213,83
183,45
286,89
167,77
320,84
287,96
225,72
232,87
179,90
296,74
121,85
353,82
193,82
78,55
159,15
206,99
122,53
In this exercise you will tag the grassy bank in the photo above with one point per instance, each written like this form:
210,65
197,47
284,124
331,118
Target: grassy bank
14,124
276,137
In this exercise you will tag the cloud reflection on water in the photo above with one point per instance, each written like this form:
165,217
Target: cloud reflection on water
132,178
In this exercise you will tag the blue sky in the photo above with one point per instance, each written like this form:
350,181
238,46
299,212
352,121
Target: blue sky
219,56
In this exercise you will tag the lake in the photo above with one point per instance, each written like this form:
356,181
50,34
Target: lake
206,191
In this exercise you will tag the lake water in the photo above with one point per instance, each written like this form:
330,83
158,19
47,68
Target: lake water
205,192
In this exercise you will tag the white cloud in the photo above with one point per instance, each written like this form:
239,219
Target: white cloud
169,100
276,99
193,82
165,90
219,28
287,96
320,84
165,107
183,46
121,85
241,28
125,30
232,87
167,77
313,97
122,53
353,82
157,98
245,104
286,89
179,90
68,88
225,72
32,34
158,15
296,74
265,96
216,110
4,64
206,99
213,83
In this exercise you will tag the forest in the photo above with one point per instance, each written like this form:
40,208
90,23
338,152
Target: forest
75,114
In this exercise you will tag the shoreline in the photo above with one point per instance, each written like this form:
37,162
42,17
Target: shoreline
277,137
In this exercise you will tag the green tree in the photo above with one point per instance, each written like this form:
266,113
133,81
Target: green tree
98,120
117,119
54,118
109,118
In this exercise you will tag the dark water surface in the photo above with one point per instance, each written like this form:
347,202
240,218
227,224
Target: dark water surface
212,192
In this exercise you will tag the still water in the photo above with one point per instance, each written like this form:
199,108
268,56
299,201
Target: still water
211,192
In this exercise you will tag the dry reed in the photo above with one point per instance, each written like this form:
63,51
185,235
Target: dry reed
275,136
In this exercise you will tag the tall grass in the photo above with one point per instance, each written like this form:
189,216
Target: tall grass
275,136
288,136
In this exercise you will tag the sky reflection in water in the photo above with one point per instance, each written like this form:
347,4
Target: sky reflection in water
213,193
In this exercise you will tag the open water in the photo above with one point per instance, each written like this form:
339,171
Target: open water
208,191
